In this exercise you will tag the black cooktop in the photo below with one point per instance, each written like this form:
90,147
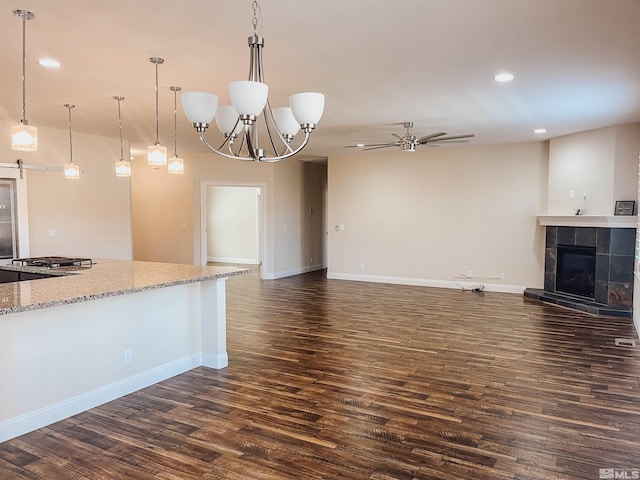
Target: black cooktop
53,262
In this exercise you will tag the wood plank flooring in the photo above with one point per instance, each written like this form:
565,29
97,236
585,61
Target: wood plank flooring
332,379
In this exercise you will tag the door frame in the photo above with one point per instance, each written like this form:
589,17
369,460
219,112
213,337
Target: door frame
262,220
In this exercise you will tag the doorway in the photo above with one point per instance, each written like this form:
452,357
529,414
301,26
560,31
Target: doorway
233,224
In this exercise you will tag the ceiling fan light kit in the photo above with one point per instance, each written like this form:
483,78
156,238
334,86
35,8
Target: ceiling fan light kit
408,142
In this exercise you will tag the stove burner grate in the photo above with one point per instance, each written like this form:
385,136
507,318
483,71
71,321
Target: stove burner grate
53,262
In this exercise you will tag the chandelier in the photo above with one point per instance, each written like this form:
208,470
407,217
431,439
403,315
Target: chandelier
251,114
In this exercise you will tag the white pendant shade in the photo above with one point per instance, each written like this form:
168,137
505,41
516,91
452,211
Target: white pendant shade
24,138
307,107
248,97
285,121
176,165
199,107
157,155
123,169
71,171
226,119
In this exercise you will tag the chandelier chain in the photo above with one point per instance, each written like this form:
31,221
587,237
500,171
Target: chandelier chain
257,17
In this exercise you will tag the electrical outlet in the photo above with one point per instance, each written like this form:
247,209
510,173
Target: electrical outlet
502,276
128,357
469,274
362,266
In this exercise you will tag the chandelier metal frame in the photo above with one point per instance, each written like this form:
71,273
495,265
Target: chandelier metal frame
242,142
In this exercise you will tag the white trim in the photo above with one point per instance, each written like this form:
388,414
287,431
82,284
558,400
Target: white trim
262,232
59,411
245,261
218,361
609,221
424,282
291,273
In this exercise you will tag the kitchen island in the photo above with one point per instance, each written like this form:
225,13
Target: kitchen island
90,335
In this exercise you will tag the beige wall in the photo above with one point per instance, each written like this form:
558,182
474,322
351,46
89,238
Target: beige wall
601,162
92,215
424,217
162,213
162,204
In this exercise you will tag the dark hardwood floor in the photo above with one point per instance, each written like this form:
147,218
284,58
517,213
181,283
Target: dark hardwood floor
333,379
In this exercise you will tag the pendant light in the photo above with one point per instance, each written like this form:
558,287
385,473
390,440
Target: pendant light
71,170
176,164
156,153
24,137
123,167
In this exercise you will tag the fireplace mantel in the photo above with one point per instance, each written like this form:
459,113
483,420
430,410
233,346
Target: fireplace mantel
607,221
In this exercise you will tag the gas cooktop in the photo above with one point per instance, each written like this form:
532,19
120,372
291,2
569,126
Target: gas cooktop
53,262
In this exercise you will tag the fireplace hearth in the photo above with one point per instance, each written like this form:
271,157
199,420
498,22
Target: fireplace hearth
589,269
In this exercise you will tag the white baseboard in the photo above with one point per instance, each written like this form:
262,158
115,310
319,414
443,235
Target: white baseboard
295,271
243,261
214,361
636,322
424,282
42,417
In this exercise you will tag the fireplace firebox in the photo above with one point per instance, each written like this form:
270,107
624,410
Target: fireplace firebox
576,270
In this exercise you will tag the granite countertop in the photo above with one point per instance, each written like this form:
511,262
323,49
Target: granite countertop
105,278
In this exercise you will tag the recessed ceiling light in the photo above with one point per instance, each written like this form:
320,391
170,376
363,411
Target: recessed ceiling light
503,77
540,130
49,62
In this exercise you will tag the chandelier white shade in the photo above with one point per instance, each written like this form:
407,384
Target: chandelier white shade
307,107
286,121
227,121
199,107
24,137
251,113
248,97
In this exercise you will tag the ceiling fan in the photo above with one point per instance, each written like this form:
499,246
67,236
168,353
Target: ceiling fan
408,142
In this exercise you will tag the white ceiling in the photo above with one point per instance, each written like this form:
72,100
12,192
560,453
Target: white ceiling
379,62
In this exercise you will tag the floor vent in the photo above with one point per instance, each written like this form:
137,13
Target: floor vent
625,342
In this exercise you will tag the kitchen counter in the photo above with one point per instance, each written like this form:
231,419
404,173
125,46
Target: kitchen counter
105,278
91,335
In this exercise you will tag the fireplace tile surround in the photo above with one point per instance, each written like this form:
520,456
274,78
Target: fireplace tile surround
614,269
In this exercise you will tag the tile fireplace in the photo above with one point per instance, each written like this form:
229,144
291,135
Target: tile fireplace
589,269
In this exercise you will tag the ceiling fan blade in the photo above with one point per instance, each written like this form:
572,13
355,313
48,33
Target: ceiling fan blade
379,146
369,144
453,137
397,136
429,137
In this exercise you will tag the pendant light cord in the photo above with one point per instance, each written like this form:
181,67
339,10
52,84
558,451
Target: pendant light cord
175,91
24,15
157,61
120,126
24,71
70,106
